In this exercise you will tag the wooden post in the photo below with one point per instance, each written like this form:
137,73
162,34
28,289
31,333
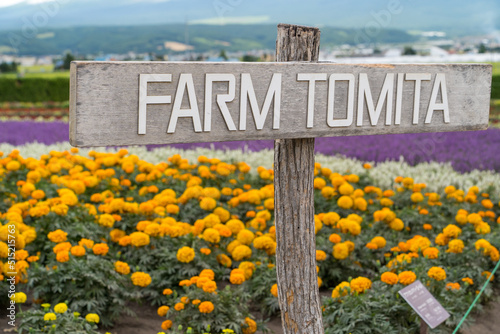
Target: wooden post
298,291
423,327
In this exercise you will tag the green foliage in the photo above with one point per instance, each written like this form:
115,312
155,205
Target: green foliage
34,89
33,321
90,284
495,87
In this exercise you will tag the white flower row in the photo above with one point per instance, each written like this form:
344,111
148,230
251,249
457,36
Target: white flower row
435,175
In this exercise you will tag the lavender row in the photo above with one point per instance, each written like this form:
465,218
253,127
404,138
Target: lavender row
465,150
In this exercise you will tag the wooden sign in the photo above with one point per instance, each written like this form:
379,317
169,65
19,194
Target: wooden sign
138,103
426,306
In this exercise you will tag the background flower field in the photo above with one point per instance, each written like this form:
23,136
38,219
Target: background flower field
193,235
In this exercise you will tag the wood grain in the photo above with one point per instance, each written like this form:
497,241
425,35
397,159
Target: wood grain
298,291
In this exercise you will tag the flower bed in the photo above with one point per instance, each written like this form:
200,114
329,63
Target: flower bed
458,148
197,239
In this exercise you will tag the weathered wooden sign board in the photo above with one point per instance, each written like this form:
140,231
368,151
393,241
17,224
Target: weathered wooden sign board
123,103
424,303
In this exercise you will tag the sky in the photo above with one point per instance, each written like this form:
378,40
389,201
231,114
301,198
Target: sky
7,3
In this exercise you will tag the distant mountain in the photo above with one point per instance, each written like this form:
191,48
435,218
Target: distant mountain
163,39
454,16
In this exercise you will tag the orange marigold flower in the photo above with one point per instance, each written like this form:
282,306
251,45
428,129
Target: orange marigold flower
163,310
100,249
453,286
122,268
407,277
166,325
141,279
206,307
389,278
179,306
437,273
57,236
77,251
360,284
274,290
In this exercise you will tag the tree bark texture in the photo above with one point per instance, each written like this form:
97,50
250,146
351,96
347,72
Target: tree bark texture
298,291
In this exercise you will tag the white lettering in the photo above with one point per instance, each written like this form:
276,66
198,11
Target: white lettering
439,84
248,94
331,100
221,99
418,78
144,99
312,78
185,81
386,95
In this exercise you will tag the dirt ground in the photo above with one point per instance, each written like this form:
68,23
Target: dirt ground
148,322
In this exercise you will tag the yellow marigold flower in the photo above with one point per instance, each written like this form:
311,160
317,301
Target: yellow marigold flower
210,287
62,256
185,254
61,308
455,246
431,253
345,202
319,183
417,197
331,218
179,306
19,297
407,277
452,231
49,317
249,327
379,241
397,224
168,292
341,290
77,251
389,278
335,238
139,239
100,249
163,310
237,276
57,236
92,318
206,307
418,243
248,268
208,203
235,225
320,255
211,235
241,252
122,268
340,251
166,325
106,220
209,273
483,228
13,165
437,273
474,218
141,279
86,243
274,290
360,284
494,254
453,286
468,280
224,260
